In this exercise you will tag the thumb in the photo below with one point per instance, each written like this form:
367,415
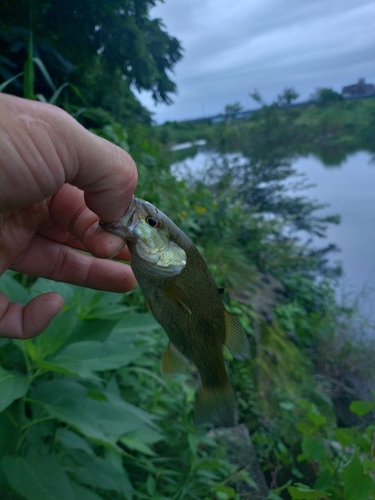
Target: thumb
107,174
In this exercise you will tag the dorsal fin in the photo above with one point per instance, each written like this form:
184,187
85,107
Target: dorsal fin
235,338
173,361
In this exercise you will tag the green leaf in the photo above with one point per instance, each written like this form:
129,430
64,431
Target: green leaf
44,72
151,485
281,488
140,440
312,448
9,434
37,478
316,418
83,358
10,80
93,329
286,405
97,472
306,427
105,421
59,391
303,492
95,304
357,485
71,440
361,408
11,387
273,496
28,79
13,290
43,285
346,436
137,322
54,336
224,492
41,98
57,93
108,312
112,387
323,481
141,415
83,493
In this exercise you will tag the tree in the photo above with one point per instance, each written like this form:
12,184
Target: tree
287,96
255,96
231,110
324,96
117,38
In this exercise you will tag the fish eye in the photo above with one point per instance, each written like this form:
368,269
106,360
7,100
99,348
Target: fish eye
151,221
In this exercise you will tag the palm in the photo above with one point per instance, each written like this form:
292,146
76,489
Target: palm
51,171
43,240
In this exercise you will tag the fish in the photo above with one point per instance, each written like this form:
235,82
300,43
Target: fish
184,298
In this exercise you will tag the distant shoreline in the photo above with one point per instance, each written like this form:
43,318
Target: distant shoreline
220,117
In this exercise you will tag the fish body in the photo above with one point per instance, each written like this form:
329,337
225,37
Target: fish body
185,300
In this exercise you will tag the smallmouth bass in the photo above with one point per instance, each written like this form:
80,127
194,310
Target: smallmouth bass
185,300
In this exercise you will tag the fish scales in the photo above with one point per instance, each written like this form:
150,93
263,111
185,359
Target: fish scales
198,324
185,300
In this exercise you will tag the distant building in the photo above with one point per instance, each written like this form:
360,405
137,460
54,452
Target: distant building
359,89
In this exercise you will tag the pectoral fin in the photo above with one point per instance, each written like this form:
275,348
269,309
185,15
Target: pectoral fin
235,338
182,304
173,361
177,295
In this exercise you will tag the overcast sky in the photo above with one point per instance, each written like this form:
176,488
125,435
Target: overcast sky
234,46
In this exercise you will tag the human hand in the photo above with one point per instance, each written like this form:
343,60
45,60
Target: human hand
56,181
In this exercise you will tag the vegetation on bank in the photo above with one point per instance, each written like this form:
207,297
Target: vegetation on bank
84,411
330,130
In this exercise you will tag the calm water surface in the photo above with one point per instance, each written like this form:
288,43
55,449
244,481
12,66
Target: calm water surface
349,189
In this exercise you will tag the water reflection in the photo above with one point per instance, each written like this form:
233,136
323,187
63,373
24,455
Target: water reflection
195,168
333,156
349,191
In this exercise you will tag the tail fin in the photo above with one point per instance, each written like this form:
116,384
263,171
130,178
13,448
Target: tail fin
216,405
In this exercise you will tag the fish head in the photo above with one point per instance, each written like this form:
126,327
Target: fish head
123,226
151,239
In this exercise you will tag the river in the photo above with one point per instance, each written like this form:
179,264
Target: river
349,190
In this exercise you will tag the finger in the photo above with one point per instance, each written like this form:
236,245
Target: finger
55,261
106,173
59,235
46,148
20,321
69,211
17,228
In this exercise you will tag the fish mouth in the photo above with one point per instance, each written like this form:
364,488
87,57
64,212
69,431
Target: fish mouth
123,224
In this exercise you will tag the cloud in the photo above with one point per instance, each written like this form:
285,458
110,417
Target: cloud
231,47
